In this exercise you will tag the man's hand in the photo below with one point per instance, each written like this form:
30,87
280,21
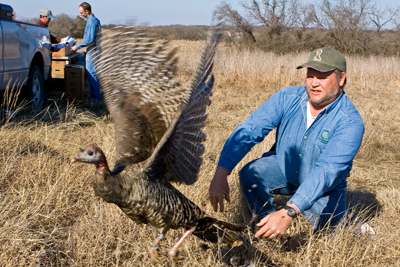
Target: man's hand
73,49
274,225
219,189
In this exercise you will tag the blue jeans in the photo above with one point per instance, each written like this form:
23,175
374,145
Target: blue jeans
262,178
91,75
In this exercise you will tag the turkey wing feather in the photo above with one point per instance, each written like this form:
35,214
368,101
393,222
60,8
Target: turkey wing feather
178,156
135,73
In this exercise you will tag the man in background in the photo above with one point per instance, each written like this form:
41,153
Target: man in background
45,17
92,31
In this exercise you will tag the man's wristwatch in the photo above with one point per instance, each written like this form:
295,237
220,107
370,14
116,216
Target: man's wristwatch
290,211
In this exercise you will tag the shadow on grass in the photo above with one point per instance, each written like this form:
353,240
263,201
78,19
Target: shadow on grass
246,255
363,203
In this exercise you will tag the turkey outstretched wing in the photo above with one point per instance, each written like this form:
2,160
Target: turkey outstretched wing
135,72
178,156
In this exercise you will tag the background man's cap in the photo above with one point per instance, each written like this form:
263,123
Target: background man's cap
47,13
325,59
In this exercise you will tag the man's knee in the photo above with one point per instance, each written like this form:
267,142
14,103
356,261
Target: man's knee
247,173
260,170
328,210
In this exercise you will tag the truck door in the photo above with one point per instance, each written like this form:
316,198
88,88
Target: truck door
17,52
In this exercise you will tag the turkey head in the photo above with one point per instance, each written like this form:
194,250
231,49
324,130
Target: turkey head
93,155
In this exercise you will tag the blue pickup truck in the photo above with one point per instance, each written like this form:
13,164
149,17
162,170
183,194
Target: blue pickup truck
25,56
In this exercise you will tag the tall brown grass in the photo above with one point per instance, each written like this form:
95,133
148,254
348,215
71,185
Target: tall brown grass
49,215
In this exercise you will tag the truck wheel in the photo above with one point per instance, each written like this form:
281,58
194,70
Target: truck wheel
36,88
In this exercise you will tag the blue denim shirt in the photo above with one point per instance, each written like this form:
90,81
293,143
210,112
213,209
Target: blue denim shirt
315,160
92,30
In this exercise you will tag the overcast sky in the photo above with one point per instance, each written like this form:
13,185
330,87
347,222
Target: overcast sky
150,12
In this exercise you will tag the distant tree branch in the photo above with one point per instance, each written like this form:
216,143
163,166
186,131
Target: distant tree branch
233,17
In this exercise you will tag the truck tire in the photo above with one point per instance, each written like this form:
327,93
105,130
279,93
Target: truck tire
36,88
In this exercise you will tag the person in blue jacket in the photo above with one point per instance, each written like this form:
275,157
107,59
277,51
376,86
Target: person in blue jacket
92,32
319,132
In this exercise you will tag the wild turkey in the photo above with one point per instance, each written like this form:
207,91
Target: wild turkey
158,135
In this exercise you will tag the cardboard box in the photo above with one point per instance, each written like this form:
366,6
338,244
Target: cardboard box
74,82
57,68
63,52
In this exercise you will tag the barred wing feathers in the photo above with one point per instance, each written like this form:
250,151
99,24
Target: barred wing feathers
178,156
135,73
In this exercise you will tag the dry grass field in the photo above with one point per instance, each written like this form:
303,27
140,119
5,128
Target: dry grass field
49,215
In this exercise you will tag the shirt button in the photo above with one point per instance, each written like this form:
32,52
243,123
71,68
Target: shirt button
297,171
305,137
300,155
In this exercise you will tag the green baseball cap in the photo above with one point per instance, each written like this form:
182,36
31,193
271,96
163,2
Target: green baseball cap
325,59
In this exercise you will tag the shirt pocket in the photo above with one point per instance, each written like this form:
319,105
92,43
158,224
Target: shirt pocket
319,148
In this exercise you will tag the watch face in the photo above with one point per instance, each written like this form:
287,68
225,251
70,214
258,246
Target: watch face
290,211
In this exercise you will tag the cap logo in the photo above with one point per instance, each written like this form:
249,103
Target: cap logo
318,55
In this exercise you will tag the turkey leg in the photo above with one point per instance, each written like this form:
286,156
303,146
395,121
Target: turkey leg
156,247
174,249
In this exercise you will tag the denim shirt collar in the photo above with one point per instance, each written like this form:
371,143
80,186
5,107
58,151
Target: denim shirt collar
89,17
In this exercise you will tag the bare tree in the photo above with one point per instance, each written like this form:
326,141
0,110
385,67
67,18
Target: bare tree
345,21
303,15
381,17
61,26
342,14
276,15
79,27
242,24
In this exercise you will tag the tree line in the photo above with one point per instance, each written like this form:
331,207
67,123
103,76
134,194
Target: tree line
351,26
361,27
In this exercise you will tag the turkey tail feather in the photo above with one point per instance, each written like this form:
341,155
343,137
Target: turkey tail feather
214,230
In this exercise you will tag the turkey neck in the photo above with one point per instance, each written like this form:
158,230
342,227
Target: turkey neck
117,188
